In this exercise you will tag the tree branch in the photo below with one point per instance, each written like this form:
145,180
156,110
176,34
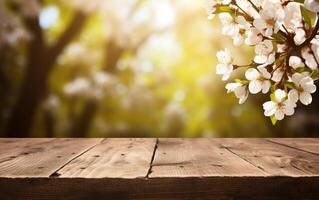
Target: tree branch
40,62
75,26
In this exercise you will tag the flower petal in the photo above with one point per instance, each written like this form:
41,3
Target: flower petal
266,87
264,72
252,74
293,95
260,59
279,114
280,95
305,98
255,86
270,108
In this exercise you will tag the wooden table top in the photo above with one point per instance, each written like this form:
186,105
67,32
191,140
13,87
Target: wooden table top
129,168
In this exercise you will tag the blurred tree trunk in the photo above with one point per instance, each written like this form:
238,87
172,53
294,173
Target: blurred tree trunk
113,53
82,124
41,60
49,119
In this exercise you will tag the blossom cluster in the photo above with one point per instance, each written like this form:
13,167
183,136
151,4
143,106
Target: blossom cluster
284,35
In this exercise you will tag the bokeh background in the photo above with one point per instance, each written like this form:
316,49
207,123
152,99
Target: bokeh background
124,68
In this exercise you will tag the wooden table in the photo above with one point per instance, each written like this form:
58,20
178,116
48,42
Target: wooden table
159,169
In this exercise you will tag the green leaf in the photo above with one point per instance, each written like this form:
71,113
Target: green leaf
272,89
223,8
315,75
278,36
290,85
306,15
244,82
272,97
273,120
301,69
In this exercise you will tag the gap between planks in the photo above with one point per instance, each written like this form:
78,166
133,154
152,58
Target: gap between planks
152,160
293,147
56,174
246,160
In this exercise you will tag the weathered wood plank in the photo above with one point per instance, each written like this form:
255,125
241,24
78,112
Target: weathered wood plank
113,158
219,188
8,145
11,148
223,169
42,159
306,144
273,158
198,158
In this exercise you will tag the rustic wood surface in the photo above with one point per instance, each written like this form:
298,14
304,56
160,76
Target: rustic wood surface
115,168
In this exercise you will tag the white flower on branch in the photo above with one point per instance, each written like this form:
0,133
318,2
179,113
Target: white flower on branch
277,75
304,87
248,7
285,42
240,91
300,36
292,19
279,106
229,25
253,36
295,62
225,67
310,60
210,6
271,17
264,53
312,5
259,80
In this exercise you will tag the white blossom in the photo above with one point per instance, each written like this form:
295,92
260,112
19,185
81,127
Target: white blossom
225,67
278,74
312,5
264,52
295,62
254,37
239,90
247,6
229,26
310,60
210,6
315,47
304,87
259,80
293,18
284,44
271,17
300,36
279,106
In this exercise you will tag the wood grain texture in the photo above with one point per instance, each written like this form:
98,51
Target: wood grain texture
221,169
14,145
198,158
274,159
113,158
41,159
306,144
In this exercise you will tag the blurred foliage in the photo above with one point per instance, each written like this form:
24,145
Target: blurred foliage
135,69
